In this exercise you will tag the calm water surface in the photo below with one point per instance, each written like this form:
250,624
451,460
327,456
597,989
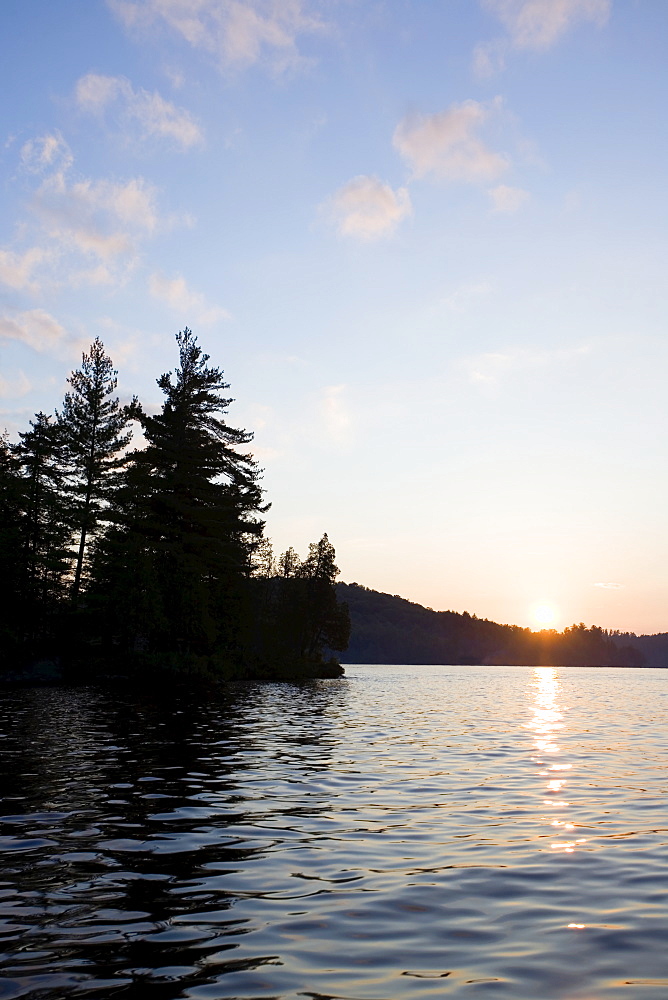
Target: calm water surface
404,832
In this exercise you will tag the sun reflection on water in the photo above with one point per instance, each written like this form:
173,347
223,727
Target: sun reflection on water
547,716
546,723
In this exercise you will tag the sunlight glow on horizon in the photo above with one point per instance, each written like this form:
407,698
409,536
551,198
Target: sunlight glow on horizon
543,615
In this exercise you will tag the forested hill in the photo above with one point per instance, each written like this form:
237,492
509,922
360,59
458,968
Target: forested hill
654,648
390,629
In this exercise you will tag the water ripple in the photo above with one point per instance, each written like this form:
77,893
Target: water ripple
405,832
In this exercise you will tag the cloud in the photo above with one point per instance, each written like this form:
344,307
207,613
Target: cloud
15,388
368,209
237,33
489,58
16,269
507,199
97,276
446,144
93,91
538,24
85,231
489,369
335,413
36,328
192,306
155,116
104,218
460,299
610,586
46,152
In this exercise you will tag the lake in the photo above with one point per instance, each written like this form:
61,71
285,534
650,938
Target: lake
403,832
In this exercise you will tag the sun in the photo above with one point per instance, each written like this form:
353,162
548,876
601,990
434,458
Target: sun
544,615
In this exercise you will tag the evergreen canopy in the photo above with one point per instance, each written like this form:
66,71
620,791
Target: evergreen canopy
160,546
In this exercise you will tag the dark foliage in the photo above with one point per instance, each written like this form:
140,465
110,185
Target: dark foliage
300,614
13,574
150,561
93,432
44,523
653,648
186,520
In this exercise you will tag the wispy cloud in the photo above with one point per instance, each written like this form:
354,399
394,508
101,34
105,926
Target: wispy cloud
447,143
460,299
610,586
36,328
84,231
368,209
236,33
507,199
155,116
17,269
102,217
490,368
47,152
336,414
15,388
192,306
534,25
490,57
538,24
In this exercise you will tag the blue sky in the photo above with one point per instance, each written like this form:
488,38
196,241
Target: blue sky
426,242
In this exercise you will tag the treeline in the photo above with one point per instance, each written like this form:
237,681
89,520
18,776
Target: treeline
152,559
389,629
653,648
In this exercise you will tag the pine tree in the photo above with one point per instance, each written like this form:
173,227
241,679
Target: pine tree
46,522
302,617
289,563
326,622
189,513
94,432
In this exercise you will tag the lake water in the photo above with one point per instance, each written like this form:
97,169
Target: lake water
403,832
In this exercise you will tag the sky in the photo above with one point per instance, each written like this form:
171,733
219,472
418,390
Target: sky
426,241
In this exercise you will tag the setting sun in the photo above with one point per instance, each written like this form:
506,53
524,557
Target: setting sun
543,615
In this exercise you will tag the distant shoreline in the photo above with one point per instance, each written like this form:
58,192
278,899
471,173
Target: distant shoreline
523,666
387,628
